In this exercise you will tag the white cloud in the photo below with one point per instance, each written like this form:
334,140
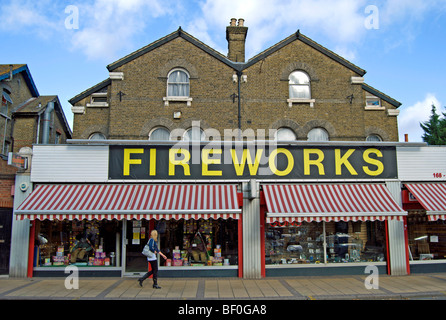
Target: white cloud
410,117
106,26
341,20
28,16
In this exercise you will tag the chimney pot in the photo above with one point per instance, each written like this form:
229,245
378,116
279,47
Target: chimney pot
236,36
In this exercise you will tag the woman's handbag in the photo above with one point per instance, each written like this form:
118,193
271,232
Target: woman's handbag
146,251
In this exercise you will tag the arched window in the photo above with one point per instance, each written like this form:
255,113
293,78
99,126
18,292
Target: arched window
299,83
317,134
373,138
97,136
285,134
194,134
178,83
160,134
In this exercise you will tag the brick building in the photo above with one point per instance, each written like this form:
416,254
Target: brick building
24,115
296,85
321,196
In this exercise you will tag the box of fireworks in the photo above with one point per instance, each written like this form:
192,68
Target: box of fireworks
99,255
218,264
186,262
99,249
66,260
90,261
98,262
176,254
183,254
59,260
106,261
177,263
217,252
168,262
48,262
226,262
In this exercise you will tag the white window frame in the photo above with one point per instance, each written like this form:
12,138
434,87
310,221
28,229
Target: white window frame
291,100
94,103
371,106
168,98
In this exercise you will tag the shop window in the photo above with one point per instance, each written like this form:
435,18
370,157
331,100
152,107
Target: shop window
303,243
82,243
427,239
186,243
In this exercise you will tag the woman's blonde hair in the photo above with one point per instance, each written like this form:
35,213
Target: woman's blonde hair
154,234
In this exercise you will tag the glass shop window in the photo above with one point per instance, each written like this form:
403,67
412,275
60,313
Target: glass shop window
343,242
80,243
199,242
427,239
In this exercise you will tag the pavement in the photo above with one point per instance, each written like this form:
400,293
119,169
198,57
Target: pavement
430,286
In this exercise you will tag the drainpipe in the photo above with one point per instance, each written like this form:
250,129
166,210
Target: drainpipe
46,123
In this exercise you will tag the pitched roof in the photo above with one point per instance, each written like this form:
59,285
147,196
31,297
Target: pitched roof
311,43
180,33
89,91
381,95
17,68
36,106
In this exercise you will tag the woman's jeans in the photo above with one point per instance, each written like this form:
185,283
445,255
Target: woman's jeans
154,272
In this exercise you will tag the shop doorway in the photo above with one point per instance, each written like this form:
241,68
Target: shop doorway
137,237
5,239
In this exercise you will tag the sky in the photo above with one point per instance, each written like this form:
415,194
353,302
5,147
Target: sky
68,44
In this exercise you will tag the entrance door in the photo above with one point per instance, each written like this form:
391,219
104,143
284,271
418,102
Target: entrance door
5,239
137,237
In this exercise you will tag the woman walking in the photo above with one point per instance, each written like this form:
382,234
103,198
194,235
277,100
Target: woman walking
153,261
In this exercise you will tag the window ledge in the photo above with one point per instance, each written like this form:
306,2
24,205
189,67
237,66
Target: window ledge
78,109
188,100
376,108
98,104
393,112
297,100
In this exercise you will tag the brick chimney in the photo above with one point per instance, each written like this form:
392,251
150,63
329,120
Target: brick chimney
236,36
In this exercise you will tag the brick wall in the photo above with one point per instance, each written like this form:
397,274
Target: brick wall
263,98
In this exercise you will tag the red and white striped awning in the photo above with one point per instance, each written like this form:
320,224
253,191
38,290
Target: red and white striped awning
432,196
330,202
135,201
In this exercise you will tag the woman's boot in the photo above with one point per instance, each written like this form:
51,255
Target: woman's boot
155,284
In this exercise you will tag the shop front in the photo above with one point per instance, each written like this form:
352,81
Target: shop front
426,205
245,210
102,228
327,228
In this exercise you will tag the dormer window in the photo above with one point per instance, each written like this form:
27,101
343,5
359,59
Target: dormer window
178,86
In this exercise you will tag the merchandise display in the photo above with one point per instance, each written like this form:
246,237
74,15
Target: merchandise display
82,243
314,243
199,242
426,238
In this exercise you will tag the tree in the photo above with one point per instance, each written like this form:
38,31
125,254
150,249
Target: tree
434,128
